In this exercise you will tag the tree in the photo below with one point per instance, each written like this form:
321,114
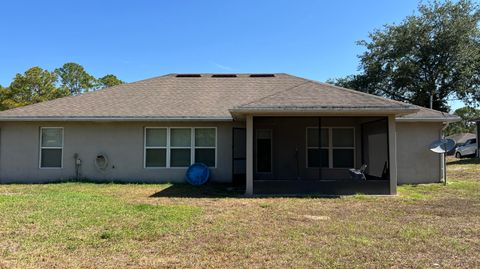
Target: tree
74,78
3,95
466,125
38,85
34,86
433,54
108,81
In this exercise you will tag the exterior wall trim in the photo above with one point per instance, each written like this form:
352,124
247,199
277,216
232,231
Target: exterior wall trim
427,120
127,119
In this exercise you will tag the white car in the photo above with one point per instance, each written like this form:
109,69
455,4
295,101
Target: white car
467,149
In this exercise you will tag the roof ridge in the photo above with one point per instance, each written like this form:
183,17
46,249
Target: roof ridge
241,74
353,91
143,80
431,109
444,114
273,94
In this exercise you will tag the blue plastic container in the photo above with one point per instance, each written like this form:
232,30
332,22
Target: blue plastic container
197,174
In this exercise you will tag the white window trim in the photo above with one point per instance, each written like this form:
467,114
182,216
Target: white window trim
330,147
168,148
42,148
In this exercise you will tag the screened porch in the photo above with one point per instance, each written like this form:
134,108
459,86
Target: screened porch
302,155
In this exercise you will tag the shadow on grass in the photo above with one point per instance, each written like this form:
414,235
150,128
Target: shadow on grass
219,190
465,161
211,190
215,190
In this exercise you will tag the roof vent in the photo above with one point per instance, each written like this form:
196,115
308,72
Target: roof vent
224,76
188,76
262,75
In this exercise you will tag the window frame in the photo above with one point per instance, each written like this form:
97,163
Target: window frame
145,147
169,147
330,147
42,148
169,152
194,146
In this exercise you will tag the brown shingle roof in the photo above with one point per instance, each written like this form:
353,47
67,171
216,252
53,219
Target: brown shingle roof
204,97
161,97
426,114
312,95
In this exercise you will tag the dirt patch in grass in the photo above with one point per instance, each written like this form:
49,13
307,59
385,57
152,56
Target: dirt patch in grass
77,225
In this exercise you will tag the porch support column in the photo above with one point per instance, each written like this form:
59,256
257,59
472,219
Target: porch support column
249,159
392,151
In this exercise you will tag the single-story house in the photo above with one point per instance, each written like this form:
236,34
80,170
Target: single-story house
268,132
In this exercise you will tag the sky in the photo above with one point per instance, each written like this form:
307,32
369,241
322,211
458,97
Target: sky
141,39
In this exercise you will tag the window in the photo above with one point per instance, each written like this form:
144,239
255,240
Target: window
471,141
334,147
179,147
51,147
205,146
156,147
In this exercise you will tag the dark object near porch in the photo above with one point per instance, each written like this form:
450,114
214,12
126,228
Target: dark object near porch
358,174
197,174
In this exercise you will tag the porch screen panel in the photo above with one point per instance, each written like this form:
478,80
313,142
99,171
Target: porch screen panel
317,147
264,151
343,147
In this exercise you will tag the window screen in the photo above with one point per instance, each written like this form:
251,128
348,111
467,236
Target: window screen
156,147
51,147
205,146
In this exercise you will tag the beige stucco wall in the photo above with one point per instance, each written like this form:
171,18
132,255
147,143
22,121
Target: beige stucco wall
121,142
416,163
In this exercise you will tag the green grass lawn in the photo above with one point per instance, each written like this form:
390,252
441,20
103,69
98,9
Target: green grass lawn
85,225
